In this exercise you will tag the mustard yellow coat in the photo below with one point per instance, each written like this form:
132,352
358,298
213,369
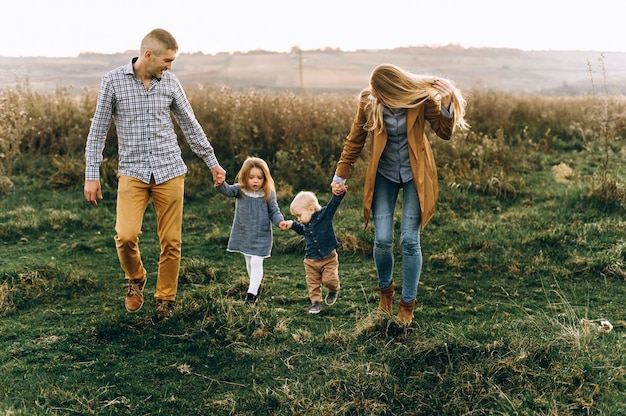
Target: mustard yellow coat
420,153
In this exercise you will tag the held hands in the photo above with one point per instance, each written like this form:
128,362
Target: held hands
285,224
219,175
338,188
93,192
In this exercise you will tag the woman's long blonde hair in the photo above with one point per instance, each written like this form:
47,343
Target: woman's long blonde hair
396,88
251,163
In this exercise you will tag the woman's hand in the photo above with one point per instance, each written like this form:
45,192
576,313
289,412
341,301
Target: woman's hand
338,188
445,91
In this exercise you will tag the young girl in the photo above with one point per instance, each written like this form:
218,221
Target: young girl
255,211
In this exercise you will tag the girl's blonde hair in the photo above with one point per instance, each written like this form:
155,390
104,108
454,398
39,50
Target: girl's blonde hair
251,163
305,199
396,88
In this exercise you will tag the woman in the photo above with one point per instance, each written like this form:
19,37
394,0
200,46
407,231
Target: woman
394,110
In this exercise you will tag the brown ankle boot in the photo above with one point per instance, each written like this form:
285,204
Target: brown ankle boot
386,299
405,311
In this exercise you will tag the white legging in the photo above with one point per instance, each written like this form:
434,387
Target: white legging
254,265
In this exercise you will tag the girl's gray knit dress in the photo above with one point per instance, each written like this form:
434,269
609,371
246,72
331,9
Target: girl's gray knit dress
251,232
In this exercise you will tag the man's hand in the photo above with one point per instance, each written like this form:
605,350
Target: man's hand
93,192
219,175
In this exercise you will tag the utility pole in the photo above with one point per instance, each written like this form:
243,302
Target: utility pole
297,50
300,69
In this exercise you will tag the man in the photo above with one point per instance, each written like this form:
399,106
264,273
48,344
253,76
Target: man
140,97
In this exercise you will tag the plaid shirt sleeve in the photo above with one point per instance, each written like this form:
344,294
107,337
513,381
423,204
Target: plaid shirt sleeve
197,139
98,130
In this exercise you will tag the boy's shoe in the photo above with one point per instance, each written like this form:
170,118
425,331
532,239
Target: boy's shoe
164,308
316,307
134,296
251,299
331,298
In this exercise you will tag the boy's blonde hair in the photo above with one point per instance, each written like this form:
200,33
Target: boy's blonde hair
397,88
305,199
251,163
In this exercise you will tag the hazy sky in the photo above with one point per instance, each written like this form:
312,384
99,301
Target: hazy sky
69,27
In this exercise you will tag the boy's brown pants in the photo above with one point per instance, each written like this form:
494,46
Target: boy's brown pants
322,272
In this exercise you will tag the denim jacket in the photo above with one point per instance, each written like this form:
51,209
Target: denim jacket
319,233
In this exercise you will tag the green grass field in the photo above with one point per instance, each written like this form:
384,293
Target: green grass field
497,331
523,262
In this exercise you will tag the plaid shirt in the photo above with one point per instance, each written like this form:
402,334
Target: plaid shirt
146,140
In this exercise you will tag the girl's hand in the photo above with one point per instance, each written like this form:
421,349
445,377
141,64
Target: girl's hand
219,175
285,224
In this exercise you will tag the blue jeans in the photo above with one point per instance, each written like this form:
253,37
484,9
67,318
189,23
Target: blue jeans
383,207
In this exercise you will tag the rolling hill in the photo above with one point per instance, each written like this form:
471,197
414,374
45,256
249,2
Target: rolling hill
484,69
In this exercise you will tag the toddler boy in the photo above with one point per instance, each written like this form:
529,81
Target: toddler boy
321,262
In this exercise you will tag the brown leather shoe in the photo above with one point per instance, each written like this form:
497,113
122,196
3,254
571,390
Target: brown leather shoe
165,308
134,296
